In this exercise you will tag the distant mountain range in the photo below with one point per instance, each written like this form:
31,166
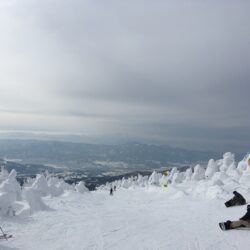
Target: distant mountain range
80,155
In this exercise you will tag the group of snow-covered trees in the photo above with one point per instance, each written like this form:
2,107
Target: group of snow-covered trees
217,179
22,201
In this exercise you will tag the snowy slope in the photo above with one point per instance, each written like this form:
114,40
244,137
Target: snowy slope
131,219
174,212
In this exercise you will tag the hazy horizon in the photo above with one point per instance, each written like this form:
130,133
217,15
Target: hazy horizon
119,140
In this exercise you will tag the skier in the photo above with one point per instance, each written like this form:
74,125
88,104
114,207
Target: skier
111,191
114,188
242,222
237,200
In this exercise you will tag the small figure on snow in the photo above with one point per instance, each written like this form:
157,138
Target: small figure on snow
242,222
111,191
114,188
237,200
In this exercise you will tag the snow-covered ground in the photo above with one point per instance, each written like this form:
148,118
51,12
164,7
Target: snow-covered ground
130,219
173,212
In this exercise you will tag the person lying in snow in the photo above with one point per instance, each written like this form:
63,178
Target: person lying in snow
242,222
237,200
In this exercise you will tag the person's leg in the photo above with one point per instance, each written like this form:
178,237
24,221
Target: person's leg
239,223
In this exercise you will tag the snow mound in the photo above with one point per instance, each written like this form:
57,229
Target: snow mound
81,188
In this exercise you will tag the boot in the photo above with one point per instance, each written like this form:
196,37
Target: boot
228,225
225,225
240,199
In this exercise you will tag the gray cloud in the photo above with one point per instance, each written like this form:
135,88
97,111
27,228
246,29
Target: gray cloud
115,67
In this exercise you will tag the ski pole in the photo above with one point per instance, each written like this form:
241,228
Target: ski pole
4,235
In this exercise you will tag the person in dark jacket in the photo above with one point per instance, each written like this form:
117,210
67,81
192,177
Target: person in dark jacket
242,222
111,191
237,200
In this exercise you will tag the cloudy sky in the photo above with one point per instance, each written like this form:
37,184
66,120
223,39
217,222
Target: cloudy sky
172,72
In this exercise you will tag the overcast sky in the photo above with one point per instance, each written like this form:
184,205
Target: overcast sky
172,72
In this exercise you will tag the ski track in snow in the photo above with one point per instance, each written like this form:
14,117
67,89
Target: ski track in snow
140,219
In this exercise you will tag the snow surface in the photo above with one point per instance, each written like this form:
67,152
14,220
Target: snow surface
174,212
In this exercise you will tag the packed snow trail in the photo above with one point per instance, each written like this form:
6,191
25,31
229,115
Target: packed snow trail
141,218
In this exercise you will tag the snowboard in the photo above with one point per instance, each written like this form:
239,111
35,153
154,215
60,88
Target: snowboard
6,236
